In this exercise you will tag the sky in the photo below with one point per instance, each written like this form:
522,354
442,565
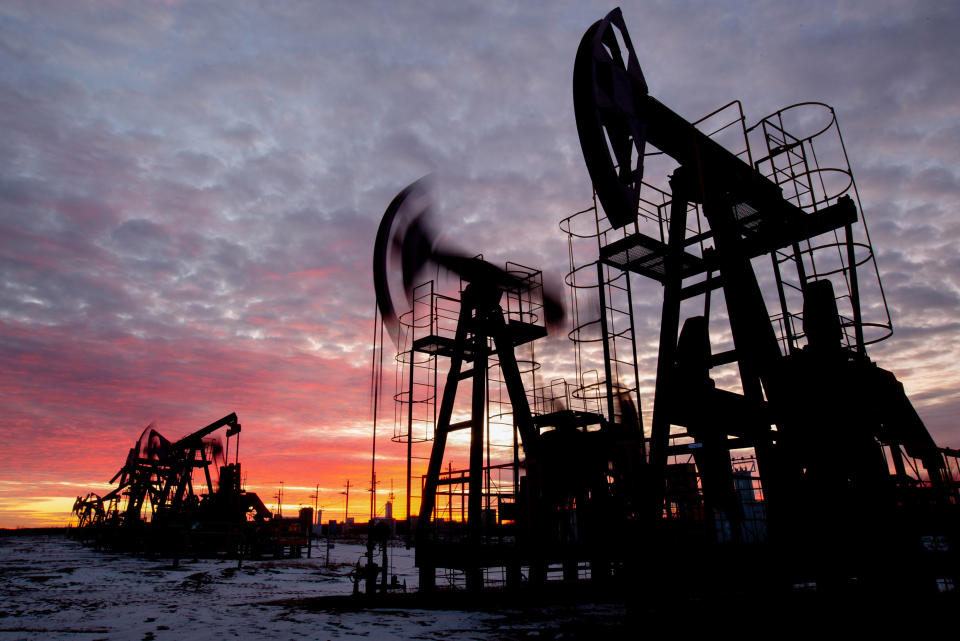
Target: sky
189,194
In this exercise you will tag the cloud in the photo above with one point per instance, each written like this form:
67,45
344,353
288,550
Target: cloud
189,192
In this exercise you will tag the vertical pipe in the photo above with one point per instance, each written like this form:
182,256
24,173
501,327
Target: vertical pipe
477,415
606,342
854,289
486,413
784,310
516,463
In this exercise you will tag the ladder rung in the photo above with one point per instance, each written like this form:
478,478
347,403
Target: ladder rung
465,374
459,426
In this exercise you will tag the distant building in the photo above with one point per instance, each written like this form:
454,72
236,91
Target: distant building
388,519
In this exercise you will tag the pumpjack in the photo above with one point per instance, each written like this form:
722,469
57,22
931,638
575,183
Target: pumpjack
851,488
822,418
563,464
156,508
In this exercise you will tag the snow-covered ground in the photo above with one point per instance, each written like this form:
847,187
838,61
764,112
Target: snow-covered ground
52,587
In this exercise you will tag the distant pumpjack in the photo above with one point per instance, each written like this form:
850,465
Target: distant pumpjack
159,473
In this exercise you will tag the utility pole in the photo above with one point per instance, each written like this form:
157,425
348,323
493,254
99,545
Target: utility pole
279,498
373,494
346,508
316,519
316,505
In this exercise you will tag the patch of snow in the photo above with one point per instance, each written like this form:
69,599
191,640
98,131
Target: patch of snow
54,587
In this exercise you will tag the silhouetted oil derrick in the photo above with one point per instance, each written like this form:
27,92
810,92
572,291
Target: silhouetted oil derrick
827,427
531,507
778,454
156,507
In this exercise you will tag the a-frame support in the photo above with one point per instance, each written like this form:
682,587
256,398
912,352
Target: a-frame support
480,319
